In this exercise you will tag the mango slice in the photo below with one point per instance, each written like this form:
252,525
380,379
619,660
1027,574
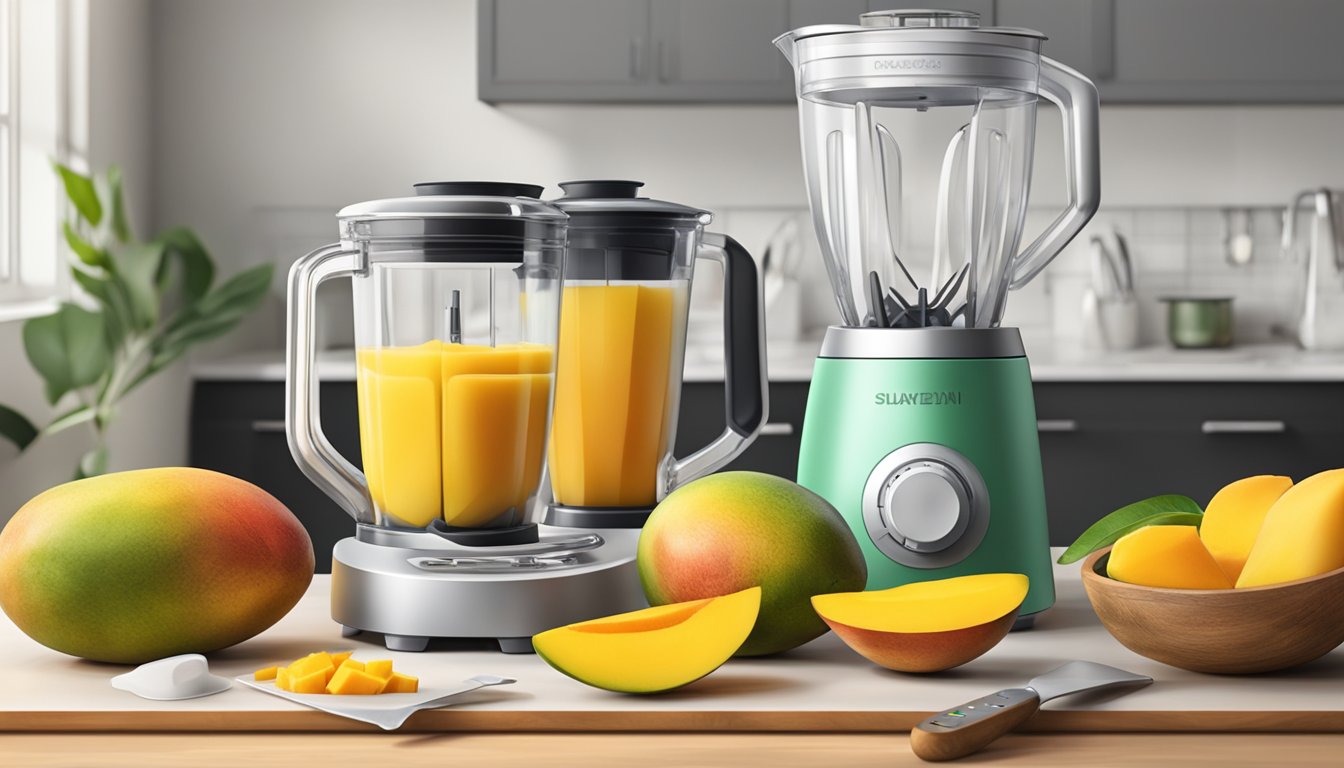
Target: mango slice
337,673
1303,533
927,626
1170,556
655,649
1233,518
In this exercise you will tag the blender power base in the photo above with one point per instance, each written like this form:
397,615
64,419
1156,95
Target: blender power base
413,587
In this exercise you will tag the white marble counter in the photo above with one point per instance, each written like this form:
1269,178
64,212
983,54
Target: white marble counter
1050,361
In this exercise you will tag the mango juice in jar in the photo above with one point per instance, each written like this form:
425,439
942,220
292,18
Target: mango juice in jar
613,398
453,431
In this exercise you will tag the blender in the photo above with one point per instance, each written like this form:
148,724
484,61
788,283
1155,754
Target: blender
917,132
456,304
628,270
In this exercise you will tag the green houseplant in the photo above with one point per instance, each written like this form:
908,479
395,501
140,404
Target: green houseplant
147,303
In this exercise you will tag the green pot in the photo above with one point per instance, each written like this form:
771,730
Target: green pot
1199,323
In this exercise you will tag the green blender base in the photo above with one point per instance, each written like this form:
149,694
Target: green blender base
934,464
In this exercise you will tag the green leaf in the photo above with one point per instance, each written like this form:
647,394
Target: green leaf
239,294
16,428
184,248
72,418
86,252
93,463
67,348
110,293
79,188
1171,509
120,228
137,267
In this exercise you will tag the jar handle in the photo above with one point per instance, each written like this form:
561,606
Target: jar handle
745,385
1080,110
314,454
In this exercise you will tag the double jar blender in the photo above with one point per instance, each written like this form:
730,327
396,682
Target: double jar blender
480,360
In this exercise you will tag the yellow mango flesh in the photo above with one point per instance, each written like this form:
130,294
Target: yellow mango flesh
655,649
927,626
1233,518
1303,533
349,680
1170,556
337,673
927,606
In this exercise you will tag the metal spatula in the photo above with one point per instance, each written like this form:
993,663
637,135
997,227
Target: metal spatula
967,729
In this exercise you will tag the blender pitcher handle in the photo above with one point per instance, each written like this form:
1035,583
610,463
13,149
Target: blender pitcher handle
746,395
1080,109
314,454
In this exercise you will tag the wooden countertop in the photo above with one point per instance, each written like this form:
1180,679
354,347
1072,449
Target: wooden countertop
821,687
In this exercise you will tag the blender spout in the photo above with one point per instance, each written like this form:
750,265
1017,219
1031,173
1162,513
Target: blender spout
785,44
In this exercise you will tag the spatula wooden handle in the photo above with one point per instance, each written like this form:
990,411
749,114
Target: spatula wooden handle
967,729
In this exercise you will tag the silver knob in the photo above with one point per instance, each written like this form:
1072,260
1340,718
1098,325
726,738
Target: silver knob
926,506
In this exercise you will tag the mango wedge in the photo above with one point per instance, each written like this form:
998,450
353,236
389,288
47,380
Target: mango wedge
656,649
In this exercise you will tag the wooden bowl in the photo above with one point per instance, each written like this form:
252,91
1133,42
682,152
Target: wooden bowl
1223,631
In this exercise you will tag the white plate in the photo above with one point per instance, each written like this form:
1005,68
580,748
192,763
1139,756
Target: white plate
385,710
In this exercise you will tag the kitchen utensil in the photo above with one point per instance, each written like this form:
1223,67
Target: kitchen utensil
967,729
1221,631
385,710
628,273
1237,239
920,425
457,295
1111,323
1199,322
1108,281
1126,264
172,679
1321,315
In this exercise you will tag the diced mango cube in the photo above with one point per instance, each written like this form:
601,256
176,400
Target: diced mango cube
352,664
381,669
313,662
337,658
265,673
282,679
314,682
349,680
399,683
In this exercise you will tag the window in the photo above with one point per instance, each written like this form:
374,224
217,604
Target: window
35,107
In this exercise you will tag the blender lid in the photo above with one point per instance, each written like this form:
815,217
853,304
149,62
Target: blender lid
458,199
914,24
594,199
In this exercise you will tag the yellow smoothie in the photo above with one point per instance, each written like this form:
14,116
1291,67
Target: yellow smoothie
454,431
609,428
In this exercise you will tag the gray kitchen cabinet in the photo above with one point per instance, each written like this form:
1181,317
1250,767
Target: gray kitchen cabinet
1252,51
1080,31
714,50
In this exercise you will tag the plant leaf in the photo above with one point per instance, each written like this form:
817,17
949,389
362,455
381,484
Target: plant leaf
1171,509
67,348
120,228
239,294
93,463
83,249
183,247
108,292
69,419
79,188
16,428
137,266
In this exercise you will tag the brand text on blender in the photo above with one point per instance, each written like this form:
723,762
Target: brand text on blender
917,398
887,64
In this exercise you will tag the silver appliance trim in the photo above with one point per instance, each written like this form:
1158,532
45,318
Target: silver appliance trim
921,343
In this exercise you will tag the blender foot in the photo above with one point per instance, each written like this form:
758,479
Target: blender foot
1024,622
348,631
515,645
410,643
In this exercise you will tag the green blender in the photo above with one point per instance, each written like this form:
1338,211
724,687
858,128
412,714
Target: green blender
918,130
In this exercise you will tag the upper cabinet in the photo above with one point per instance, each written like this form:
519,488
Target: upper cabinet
1137,51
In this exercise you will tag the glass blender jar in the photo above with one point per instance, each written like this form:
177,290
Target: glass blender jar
456,295
918,130
628,271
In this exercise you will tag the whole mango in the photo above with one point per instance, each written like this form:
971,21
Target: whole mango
135,566
735,530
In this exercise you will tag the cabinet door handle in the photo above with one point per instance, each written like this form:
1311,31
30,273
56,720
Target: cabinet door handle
1056,425
268,426
776,429
636,58
1243,427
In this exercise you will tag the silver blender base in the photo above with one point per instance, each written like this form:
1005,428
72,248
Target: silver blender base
414,586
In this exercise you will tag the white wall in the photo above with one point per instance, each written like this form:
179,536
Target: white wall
151,426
